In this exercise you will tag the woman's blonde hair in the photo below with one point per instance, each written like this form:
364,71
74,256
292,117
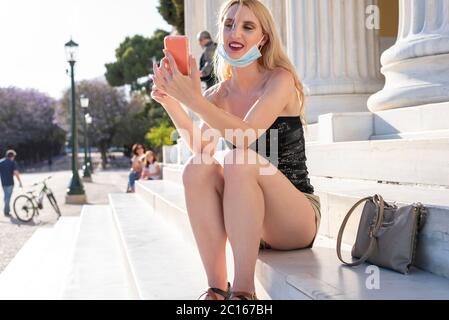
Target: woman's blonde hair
273,52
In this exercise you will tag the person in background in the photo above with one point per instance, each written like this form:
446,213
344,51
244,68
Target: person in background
9,169
207,58
151,168
136,167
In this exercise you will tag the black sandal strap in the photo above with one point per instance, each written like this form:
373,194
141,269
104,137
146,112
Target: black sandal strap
224,294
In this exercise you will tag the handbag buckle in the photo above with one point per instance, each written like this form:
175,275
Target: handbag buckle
422,214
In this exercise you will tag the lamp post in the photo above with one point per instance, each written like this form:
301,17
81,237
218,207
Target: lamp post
86,171
88,119
75,191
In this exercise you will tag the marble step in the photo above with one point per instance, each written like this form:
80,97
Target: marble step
162,264
99,270
39,269
407,161
275,273
339,195
317,274
167,200
412,161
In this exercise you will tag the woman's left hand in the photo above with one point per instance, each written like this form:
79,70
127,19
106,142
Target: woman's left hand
170,80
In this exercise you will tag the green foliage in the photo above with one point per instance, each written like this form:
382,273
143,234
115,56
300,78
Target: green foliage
173,12
140,117
180,26
160,136
134,59
167,10
156,112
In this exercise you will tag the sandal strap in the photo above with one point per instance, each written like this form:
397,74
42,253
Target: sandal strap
212,292
244,295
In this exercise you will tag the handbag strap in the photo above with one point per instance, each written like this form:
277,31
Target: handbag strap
379,202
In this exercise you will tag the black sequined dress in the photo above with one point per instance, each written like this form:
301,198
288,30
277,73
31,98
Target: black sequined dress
290,158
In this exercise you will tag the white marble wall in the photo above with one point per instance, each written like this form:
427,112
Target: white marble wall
194,16
417,66
212,12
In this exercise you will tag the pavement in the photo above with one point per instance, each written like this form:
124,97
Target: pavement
14,234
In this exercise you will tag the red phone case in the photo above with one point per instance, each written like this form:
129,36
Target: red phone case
178,46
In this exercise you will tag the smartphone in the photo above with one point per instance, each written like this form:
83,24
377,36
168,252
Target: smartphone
178,46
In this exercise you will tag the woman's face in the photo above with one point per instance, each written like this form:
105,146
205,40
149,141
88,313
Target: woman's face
140,150
150,157
246,32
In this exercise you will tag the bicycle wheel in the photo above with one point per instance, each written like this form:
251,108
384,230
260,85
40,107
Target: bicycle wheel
53,203
24,208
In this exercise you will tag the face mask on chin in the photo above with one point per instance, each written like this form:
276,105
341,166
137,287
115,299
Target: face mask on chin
252,55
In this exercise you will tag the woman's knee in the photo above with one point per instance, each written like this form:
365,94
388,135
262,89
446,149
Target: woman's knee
239,164
201,168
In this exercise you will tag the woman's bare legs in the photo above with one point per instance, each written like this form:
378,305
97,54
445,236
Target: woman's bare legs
203,185
261,206
243,205
251,206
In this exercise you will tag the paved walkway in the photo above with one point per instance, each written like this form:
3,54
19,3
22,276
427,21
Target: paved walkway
14,234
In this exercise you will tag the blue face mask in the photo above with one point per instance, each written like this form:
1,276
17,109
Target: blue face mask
252,55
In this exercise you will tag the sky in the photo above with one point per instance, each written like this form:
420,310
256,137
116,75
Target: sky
33,34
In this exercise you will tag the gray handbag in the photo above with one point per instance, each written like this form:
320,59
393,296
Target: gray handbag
387,235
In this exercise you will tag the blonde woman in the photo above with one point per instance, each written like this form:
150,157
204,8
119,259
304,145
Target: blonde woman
259,91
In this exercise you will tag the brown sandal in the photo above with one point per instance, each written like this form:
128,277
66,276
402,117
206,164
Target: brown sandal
243,295
213,292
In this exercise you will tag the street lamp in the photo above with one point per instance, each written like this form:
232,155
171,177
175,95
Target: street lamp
88,119
86,172
75,191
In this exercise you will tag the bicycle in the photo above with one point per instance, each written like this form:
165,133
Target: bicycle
26,206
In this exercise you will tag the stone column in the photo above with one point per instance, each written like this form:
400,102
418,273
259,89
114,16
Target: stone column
336,55
416,68
195,21
278,10
212,11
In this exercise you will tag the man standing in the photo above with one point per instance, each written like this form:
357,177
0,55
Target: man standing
9,169
206,60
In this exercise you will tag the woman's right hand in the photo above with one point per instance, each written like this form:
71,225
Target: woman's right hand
159,95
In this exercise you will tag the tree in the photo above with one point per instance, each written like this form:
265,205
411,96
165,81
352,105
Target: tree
173,12
135,124
160,136
28,124
107,106
180,26
135,60
167,10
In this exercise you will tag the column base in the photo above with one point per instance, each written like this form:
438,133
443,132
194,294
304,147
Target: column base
413,82
75,199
